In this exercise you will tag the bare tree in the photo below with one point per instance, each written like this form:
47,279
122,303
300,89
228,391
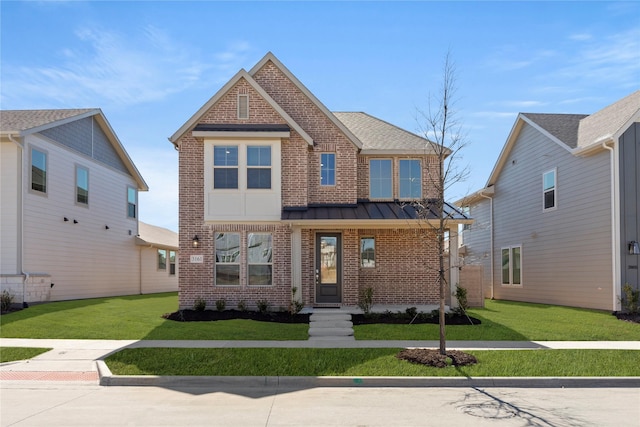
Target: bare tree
439,125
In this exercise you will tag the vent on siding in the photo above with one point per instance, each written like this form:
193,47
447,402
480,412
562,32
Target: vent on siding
243,106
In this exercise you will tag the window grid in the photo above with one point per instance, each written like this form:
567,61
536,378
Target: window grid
549,187
380,179
327,169
132,202
410,179
225,166
259,166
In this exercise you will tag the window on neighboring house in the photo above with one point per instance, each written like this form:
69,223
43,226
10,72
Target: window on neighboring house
512,265
327,169
132,202
549,192
259,259
380,179
243,106
162,259
227,259
82,185
258,166
172,263
467,211
225,166
410,179
367,252
38,170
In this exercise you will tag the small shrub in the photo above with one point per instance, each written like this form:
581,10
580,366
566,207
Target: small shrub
295,306
6,299
365,300
630,300
199,304
263,305
461,296
221,304
411,312
242,305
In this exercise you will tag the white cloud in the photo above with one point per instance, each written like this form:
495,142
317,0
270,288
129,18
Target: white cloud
107,68
580,36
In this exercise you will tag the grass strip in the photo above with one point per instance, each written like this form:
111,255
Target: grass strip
9,354
366,362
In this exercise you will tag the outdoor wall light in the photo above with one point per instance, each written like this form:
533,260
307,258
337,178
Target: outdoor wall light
106,227
66,219
634,248
75,222
195,242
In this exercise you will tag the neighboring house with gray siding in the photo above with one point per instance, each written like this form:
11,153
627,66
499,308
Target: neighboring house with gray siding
557,222
69,207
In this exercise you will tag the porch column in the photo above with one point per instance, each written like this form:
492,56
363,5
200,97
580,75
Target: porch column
296,263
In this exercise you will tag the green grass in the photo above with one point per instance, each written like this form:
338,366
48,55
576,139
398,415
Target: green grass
516,321
134,318
367,362
9,354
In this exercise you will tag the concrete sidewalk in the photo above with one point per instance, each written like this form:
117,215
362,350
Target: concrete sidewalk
81,360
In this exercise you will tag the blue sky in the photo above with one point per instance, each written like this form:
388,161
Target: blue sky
150,65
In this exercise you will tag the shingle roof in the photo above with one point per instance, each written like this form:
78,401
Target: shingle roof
152,235
21,120
562,126
609,121
376,134
365,210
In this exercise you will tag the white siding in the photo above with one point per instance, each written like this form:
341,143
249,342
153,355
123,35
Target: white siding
154,280
477,240
85,259
566,252
9,208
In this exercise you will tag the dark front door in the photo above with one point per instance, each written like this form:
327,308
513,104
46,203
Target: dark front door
328,268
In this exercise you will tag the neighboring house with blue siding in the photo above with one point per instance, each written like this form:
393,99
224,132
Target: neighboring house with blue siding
69,208
558,220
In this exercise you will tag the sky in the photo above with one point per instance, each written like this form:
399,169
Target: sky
150,65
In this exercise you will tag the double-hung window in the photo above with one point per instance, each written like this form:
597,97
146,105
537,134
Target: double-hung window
82,185
227,259
132,202
258,166
380,179
327,169
512,265
549,187
172,263
225,166
38,170
259,259
410,179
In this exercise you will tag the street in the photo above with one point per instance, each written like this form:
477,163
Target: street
34,403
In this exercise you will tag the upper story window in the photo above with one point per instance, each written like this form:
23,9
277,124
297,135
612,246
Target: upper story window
132,202
38,170
327,169
549,189
410,179
225,166
380,179
258,166
243,106
82,185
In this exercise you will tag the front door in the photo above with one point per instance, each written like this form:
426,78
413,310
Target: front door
328,268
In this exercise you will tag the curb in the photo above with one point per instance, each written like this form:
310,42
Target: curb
228,382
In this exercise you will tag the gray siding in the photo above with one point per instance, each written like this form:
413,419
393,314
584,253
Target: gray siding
566,252
629,202
86,136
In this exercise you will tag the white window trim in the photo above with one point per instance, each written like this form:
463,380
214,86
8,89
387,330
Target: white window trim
555,190
335,172
247,167
392,175
126,198
420,177
46,169
85,205
510,249
166,259
175,262
237,167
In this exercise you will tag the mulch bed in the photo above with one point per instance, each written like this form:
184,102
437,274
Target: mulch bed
404,319
213,315
431,357
635,318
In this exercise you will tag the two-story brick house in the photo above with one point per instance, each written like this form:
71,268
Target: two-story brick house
281,198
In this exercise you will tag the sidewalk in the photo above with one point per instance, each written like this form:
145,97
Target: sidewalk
81,361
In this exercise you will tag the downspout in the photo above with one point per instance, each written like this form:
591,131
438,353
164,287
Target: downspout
24,274
614,238
490,237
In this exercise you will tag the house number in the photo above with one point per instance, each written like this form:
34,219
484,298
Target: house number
197,259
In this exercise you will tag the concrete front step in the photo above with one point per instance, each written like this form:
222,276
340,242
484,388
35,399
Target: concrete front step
331,324
329,316
330,332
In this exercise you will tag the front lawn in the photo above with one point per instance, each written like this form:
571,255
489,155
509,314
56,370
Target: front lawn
367,362
9,354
